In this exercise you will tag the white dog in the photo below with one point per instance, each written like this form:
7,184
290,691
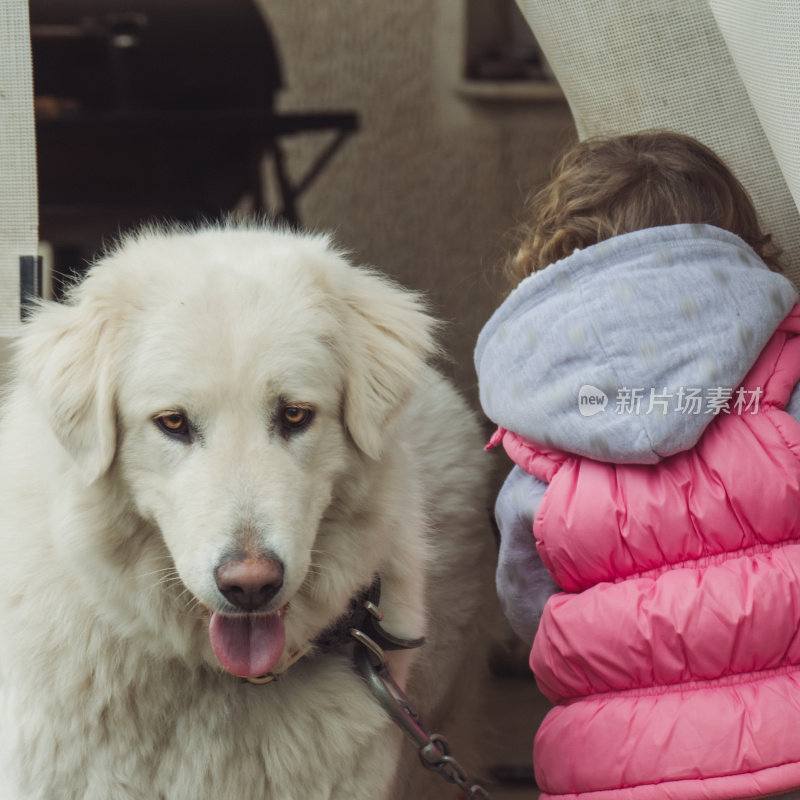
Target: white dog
218,441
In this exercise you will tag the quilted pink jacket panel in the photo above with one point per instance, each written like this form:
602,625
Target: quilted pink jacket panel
673,654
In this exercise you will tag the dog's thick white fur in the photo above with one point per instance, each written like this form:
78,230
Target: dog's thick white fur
304,424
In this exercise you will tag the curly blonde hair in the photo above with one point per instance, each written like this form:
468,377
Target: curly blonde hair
603,187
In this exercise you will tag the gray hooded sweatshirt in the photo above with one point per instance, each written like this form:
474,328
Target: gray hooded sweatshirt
623,352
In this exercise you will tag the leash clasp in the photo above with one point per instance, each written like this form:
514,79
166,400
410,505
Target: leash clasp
434,750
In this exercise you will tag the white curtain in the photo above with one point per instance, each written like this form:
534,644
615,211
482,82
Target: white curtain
724,71
763,38
18,196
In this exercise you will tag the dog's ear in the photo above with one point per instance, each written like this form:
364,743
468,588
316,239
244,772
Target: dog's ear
389,338
65,358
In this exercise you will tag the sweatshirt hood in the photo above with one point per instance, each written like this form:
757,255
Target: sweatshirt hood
625,351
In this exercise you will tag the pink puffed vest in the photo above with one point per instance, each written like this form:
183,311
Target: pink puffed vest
673,653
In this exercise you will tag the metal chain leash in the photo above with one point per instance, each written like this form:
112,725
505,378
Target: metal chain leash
434,751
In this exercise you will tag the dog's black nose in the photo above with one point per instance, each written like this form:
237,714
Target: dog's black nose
250,583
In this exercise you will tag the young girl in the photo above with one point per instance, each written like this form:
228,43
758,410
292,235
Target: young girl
641,375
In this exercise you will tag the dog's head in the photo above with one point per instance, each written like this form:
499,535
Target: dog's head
229,380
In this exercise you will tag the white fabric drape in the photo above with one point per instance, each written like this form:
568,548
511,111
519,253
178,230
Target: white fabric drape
18,195
727,75
763,38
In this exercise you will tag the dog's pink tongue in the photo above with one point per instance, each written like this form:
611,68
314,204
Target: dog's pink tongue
247,645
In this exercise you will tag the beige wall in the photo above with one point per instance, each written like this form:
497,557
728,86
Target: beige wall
429,186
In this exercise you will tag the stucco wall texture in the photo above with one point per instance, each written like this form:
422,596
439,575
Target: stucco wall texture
429,187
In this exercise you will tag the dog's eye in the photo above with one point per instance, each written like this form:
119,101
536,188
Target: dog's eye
295,417
174,423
